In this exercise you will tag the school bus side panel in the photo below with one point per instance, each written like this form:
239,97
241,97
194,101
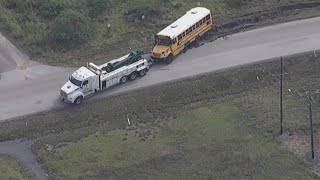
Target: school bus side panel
191,34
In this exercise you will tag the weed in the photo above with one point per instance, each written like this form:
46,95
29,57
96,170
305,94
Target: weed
10,169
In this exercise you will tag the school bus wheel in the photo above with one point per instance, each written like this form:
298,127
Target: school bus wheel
169,59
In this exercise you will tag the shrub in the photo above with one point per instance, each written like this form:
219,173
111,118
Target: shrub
96,7
52,8
70,28
24,6
9,23
235,3
149,12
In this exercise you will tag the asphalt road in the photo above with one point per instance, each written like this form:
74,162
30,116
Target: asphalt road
35,89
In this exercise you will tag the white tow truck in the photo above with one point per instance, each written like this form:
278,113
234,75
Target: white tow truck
86,81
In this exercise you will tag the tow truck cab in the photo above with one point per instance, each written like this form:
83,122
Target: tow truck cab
81,84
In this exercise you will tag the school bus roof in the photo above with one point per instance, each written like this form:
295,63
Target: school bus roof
183,23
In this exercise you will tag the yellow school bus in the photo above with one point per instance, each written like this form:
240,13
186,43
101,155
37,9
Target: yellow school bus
173,39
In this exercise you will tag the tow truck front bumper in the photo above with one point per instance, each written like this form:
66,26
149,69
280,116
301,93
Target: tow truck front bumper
67,101
62,98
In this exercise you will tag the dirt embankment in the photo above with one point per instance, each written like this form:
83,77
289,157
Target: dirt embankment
11,57
252,20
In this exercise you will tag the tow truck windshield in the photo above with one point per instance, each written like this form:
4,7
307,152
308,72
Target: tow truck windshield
75,81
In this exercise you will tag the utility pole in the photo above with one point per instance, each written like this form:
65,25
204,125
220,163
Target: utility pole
311,129
281,93
310,100
281,110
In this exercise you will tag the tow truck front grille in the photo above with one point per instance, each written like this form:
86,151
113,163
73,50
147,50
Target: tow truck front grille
63,94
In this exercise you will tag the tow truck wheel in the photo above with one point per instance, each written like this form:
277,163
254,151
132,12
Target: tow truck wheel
142,72
133,76
123,79
78,100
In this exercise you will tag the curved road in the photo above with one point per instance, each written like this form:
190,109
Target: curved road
35,89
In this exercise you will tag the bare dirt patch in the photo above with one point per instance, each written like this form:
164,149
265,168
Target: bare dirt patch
298,143
11,57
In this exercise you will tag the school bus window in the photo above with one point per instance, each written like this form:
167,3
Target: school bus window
197,25
208,17
174,41
180,37
193,27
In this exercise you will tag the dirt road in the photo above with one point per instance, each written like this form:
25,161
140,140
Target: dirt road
36,88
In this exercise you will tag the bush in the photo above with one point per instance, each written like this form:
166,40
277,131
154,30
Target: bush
235,3
96,7
24,6
135,14
9,23
52,8
71,28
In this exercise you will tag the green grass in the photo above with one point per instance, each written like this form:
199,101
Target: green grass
10,169
29,24
229,113
148,105
208,142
